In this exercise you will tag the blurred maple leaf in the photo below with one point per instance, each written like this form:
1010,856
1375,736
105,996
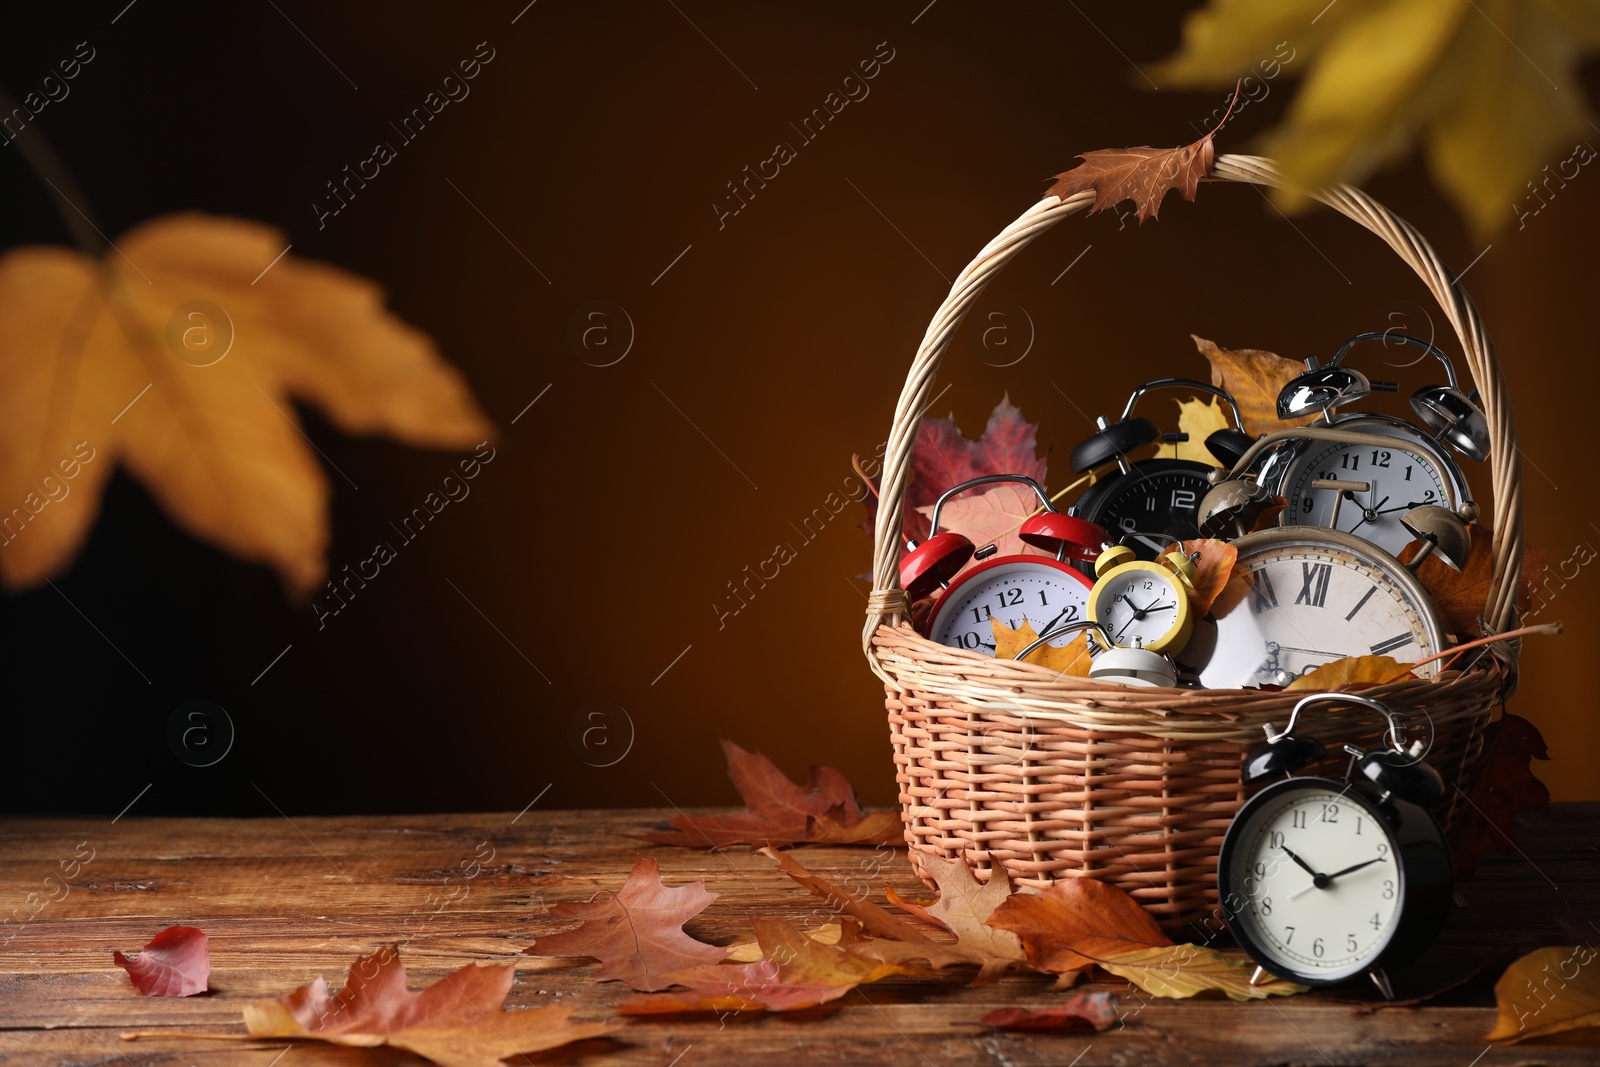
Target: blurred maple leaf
459,1021
1488,90
107,353
1255,377
1504,788
992,516
1529,1004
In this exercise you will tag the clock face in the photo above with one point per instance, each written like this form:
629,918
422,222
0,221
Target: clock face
1303,597
1158,497
1400,478
1012,589
1311,881
1140,601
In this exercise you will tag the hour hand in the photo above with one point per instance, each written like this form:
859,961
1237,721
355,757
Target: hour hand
1312,871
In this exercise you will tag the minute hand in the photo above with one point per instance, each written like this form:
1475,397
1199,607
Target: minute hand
1357,867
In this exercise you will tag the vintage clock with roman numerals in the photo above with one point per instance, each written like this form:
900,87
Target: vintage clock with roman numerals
1308,596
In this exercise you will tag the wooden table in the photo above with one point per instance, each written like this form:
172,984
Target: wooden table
285,901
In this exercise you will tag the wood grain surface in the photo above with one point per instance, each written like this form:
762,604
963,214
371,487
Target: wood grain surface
284,901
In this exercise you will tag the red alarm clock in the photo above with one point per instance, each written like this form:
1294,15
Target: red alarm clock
1045,591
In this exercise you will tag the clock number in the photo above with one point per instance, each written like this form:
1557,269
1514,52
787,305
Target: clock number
1316,948
1427,497
1262,595
970,639
1350,462
1383,849
1388,889
1261,870
1182,499
1288,937
1307,505
1044,602
1266,905
1380,459
1128,524
1383,648
1407,478
1314,584
1334,817
977,620
1010,598
1274,840
1299,820
1350,943
1377,923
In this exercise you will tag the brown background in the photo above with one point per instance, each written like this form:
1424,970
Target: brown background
598,540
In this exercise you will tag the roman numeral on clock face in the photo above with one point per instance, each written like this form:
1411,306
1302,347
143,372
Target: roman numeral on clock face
1262,595
1314,584
1383,648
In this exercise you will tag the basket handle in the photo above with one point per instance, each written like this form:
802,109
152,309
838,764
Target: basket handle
887,602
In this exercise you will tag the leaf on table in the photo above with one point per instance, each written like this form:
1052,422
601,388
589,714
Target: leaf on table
1085,1011
796,972
458,1021
749,950
1181,971
637,932
1254,377
1076,923
1199,418
1213,568
992,516
1504,788
963,907
1490,95
100,368
1071,658
1545,992
943,457
176,963
823,811
1462,596
1350,671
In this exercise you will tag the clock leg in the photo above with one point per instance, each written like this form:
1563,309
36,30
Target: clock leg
1381,980
1255,979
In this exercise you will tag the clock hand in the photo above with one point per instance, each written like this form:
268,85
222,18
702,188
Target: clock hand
1051,625
1303,864
1357,867
1403,507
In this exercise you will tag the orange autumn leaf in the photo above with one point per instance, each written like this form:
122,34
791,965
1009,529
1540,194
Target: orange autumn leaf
459,1021
1504,788
963,908
637,932
1184,970
992,517
1255,377
1213,568
1461,596
1071,658
1352,670
1268,518
179,358
796,972
1076,923
1545,992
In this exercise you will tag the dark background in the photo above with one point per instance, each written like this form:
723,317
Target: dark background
597,542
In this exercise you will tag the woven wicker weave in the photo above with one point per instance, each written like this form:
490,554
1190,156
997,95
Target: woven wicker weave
1005,765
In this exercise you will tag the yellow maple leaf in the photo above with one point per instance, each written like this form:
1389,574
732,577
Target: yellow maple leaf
1545,992
179,358
1071,658
1352,670
1199,419
1488,88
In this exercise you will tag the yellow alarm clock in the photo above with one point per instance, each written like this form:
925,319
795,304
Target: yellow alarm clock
1142,604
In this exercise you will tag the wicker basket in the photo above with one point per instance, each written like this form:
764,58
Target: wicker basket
1005,765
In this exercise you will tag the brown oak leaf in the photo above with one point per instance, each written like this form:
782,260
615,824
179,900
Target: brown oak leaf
1545,992
1504,788
823,811
637,932
179,359
1255,377
796,972
1085,1011
459,1021
963,908
1076,923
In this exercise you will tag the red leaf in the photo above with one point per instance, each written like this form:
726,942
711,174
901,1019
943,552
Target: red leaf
637,932
1505,788
824,811
176,963
1086,1011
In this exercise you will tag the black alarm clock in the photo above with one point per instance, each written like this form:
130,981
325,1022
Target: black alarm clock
1322,879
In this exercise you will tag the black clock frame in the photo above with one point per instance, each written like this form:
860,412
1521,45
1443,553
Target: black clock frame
1424,875
1094,500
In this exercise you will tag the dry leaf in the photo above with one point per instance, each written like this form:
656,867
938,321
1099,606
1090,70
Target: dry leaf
963,908
991,517
1489,91
1086,1011
459,1021
1461,596
1144,175
750,951
1181,971
1545,992
1254,377
1199,419
1504,788
637,932
176,963
1213,568
824,811
1071,658
99,369
1076,923
1268,519
1351,671
797,972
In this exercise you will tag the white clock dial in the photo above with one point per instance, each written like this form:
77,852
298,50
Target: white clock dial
1303,598
1137,604
1317,885
1014,592
1398,480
